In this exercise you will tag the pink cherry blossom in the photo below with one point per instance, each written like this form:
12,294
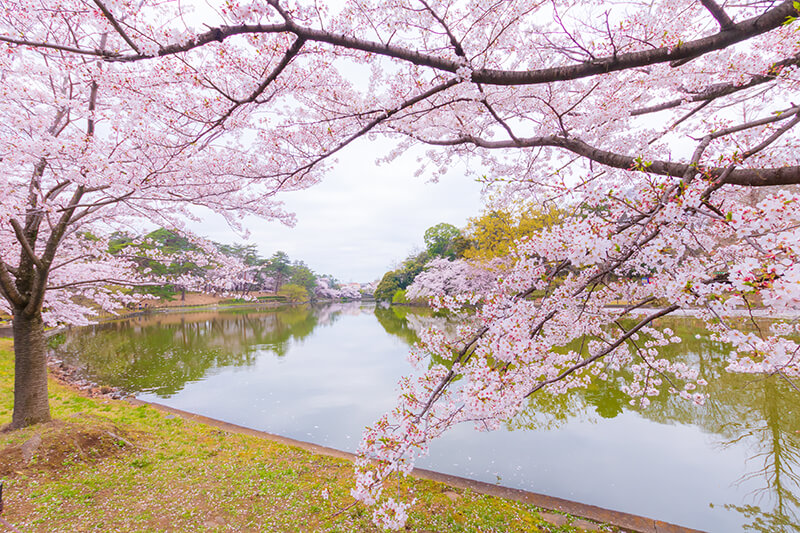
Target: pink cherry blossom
664,132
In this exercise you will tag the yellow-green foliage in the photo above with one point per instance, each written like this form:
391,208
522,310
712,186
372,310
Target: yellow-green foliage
294,293
493,233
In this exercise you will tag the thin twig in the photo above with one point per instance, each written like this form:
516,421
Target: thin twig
608,350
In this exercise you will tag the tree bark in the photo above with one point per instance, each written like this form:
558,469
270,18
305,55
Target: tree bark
30,371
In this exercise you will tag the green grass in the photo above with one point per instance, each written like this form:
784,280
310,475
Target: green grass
106,465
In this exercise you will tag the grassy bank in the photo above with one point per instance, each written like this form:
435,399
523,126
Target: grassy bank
105,465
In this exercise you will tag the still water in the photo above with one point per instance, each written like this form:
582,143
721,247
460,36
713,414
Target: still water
321,374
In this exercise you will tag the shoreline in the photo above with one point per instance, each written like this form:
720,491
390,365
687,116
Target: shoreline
73,378
623,520
104,465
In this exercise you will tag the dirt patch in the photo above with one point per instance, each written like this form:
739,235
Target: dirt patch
60,444
198,298
191,299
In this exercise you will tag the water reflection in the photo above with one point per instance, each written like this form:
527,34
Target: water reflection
757,412
161,353
770,427
322,373
394,321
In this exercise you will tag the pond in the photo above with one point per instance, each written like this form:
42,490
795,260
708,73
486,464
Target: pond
321,374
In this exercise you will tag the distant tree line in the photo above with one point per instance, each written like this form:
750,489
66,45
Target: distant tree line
174,258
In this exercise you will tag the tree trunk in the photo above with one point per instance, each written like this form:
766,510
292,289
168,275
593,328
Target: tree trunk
30,371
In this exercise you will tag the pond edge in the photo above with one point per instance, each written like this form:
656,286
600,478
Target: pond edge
626,521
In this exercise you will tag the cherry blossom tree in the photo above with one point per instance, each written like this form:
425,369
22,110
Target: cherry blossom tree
87,148
457,278
326,290
663,132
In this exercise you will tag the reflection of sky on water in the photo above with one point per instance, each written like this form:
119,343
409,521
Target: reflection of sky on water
328,384
627,464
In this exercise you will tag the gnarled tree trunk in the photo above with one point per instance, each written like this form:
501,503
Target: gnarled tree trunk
30,370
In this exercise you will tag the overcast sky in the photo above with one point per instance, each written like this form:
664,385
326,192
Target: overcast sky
363,218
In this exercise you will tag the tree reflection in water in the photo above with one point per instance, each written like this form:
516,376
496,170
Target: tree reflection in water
161,353
772,431
760,412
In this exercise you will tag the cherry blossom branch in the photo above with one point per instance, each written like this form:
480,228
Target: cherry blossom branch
94,207
571,37
610,266
113,281
756,177
372,124
747,29
776,117
459,50
455,43
56,46
38,284
775,136
644,358
287,58
789,381
636,306
460,359
540,326
50,249
682,119
69,261
613,346
55,130
725,22
56,190
13,270
8,287
465,352
32,217
752,318
499,120
771,19
26,245
218,34
724,89
724,177
281,11
90,119
116,26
